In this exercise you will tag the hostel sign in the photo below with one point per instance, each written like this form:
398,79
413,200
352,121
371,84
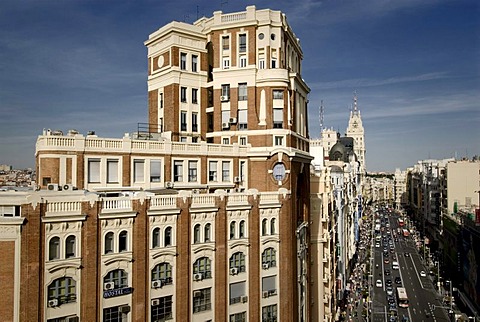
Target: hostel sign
117,292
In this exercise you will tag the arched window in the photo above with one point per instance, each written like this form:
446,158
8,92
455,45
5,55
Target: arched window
70,247
163,272
238,261
167,239
63,290
122,241
207,232
196,234
233,225
272,227
203,266
109,243
54,248
156,237
264,227
118,277
241,230
269,257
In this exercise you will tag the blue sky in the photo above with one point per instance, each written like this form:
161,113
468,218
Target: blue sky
415,65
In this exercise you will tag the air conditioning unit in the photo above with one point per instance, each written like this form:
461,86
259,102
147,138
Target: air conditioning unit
155,302
197,293
237,180
157,284
244,299
225,125
108,286
265,294
195,191
233,120
233,271
53,187
169,185
224,98
52,303
68,187
124,309
71,319
197,277
265,266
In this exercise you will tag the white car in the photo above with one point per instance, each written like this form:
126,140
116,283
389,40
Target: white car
423,274
379,283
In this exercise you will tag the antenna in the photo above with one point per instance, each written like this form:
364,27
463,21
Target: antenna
186,17
197,11
321,117
355,101
223,3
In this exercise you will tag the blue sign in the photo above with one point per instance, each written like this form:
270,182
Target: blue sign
117,292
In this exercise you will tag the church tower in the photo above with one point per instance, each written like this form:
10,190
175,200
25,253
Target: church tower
356,131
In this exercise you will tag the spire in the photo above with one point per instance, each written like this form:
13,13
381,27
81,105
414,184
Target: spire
355,110
321,117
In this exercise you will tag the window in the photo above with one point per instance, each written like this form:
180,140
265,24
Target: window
163,272
118,276
225,171
226,62
269,257
242,43
195,95
194,63
242,140
122,241
278,140
54,248
112,171
10,211
109,243
238,261
139,171
212,171
237,290
242,172
226,91
264,227
242,91
93,171
202,300
113,314
241,229
242,120
207,232
274,58
192,171
70,247
194,122
160,100
155,170
162,311
261,58
226,140
225,42
167,238
243,61
268,285
272,226
178,171
232,229
277,94
183,61
183,94
238,317
278,118
63,290
203,266
269,313
183,121
156,238
196,234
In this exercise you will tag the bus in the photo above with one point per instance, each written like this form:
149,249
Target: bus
400,222
402,297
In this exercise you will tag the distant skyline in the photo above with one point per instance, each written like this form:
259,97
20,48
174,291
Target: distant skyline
414,64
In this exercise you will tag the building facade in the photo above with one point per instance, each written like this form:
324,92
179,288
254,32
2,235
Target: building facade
203,214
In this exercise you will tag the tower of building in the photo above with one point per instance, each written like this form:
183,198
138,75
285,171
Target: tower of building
356,131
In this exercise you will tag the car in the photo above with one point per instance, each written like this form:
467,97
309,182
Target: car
379,283
389,291
391,300
386,261
407,254
377,245
387,272
423,274
388,282
398,280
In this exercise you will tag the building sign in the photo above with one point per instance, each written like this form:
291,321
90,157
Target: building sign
117,292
